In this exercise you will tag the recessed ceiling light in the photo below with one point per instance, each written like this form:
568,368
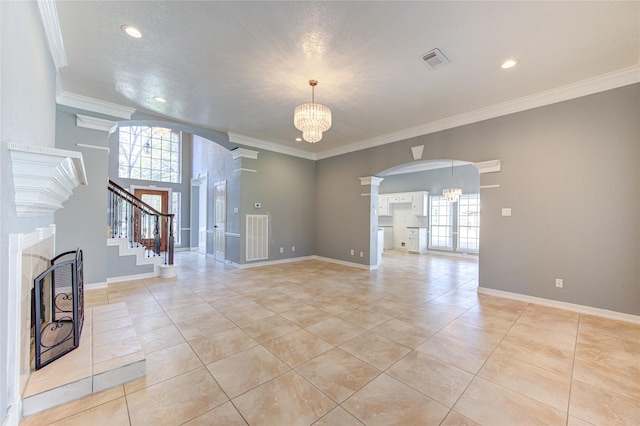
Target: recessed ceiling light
160,99
131,30
509,63
298,139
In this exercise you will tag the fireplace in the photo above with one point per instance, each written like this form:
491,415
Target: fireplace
57,309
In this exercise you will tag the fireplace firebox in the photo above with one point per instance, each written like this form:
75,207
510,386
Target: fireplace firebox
57,308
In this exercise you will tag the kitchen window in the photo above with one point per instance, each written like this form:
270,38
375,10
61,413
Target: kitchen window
441,223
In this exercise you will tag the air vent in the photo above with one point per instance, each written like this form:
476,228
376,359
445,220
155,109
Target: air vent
434,59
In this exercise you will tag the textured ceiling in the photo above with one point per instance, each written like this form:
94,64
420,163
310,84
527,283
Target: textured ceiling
242,67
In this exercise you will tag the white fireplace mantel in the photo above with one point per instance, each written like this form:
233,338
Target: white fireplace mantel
44,178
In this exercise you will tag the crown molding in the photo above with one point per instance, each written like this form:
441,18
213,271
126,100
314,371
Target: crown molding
94,105
612,80
270,146
94,123
44,178
244,153
490,166
53,33
371,180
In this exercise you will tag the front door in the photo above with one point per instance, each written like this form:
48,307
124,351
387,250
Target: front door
159,200
220,220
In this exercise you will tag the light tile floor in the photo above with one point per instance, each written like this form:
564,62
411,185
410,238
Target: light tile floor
310,342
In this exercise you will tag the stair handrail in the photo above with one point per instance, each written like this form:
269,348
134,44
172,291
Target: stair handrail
167,218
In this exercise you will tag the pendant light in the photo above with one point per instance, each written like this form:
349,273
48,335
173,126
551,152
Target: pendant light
452,194
312,118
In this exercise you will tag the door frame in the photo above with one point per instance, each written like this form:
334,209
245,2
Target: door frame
163,234
220,226
201,183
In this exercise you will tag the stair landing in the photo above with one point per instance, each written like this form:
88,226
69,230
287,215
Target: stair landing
109,355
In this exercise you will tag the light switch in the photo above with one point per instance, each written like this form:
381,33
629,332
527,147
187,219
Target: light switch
506,212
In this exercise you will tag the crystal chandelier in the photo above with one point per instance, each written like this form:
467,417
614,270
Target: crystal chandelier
312,118
452,194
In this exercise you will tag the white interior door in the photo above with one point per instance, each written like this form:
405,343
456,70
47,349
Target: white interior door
220,195
202,219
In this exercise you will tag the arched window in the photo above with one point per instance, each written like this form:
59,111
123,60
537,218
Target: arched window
150,153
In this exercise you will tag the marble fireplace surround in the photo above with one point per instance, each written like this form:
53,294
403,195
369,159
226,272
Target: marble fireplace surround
85,370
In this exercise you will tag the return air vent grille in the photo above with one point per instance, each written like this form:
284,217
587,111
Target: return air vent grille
257,237
434,59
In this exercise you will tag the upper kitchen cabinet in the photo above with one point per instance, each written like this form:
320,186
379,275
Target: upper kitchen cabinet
418,200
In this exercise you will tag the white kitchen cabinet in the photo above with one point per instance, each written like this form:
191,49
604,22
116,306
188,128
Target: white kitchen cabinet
383,205
405,198
417,240
419,203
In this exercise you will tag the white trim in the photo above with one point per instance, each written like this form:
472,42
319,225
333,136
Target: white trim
299,259
245,170
232,234
270,146
96,286
51,24
131,277
371,180
612,80
244,153
84,145
345,263
588,310
18,243
44,178
94,123
489,186
417,151
94,105
269,262
490,166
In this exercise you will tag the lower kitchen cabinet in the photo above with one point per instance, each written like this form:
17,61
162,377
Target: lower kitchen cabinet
417,240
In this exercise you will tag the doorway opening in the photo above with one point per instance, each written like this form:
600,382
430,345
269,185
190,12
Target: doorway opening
414,217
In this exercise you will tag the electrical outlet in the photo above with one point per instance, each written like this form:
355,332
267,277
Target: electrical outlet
293,248
559,282
361,254
281,249
353,252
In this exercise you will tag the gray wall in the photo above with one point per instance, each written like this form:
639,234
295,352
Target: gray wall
570,173
27,117
215,160
83,220
434,181
285,187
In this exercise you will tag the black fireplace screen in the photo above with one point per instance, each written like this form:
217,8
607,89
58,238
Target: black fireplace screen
58,308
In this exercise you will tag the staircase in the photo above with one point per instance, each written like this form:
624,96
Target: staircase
142,232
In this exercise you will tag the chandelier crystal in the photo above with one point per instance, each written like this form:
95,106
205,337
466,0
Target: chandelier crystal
311,118
452,194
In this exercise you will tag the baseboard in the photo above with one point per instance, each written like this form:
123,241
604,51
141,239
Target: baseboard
299,259
582,309
131,277
269,262
95,286
345,263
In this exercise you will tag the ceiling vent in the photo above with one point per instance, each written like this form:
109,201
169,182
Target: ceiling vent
434,59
